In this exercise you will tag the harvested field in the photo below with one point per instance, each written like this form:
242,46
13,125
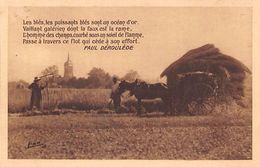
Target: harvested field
124,136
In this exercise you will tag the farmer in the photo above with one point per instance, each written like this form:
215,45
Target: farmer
36,96
115,95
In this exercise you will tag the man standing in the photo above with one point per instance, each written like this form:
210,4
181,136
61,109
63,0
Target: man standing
36,97
115,95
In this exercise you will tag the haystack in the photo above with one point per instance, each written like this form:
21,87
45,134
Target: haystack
230,73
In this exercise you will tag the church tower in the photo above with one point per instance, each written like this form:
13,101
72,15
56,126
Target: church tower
68,68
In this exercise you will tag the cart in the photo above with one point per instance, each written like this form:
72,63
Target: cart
194,93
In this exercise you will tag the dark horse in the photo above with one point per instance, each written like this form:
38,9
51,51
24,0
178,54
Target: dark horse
142,90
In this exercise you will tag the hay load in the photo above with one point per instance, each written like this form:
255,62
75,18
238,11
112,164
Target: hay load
230,73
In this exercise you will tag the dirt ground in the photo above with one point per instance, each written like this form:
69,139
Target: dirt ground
124,136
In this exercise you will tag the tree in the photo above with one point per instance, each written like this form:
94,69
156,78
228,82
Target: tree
72,82
51,79
98,78
131,76
82,83
51,70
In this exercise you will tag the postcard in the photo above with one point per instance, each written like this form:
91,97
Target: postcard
129,82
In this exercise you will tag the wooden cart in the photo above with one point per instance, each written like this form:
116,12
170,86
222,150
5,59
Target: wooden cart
193,93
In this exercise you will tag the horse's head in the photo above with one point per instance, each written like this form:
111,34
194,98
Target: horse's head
122,87
126,86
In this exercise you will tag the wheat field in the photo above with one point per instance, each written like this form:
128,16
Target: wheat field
225,134
81,99
76,99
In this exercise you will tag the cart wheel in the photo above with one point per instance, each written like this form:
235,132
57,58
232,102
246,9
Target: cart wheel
199,99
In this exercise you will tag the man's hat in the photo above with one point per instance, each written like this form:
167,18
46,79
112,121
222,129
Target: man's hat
36,79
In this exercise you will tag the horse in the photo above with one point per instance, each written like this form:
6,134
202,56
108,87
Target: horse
142,90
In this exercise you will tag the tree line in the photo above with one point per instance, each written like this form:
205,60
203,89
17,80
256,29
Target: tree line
96,78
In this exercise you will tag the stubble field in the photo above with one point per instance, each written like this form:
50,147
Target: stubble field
114,136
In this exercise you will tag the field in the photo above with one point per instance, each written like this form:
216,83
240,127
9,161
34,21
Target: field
80,99
87,136
78,131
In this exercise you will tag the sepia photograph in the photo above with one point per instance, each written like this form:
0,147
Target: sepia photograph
130,83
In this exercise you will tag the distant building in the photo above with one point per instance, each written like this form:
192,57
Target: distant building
68,69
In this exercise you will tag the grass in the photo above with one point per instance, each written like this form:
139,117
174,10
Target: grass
88,136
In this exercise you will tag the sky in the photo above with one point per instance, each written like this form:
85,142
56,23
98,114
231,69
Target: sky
169,32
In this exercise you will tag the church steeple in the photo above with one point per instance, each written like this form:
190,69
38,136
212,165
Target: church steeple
68,68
